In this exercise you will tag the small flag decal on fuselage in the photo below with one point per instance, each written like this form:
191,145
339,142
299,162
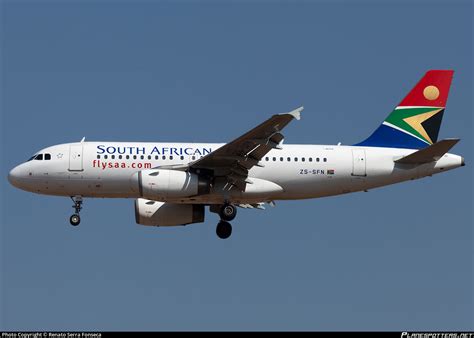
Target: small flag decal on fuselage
330,171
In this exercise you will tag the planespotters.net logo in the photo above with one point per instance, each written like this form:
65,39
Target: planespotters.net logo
437,335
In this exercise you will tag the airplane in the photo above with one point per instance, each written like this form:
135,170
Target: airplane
173,183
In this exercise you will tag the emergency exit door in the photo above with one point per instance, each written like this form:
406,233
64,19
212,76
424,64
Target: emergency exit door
75,157
358,162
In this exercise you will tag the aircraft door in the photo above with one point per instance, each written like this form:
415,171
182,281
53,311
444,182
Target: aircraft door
358,162
75,157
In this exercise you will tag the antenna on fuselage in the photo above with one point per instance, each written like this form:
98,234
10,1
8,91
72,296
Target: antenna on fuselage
83,139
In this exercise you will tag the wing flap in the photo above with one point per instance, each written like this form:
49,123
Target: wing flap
429,154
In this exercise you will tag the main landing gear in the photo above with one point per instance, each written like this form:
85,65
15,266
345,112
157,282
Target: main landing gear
227,212
75,219
223,229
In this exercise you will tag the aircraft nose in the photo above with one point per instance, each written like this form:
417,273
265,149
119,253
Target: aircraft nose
14,176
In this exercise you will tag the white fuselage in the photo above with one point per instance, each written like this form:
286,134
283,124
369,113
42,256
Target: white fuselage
106,169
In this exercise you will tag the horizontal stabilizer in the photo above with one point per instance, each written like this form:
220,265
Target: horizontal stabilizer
429,154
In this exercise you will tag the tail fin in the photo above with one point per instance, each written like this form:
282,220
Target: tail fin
415,122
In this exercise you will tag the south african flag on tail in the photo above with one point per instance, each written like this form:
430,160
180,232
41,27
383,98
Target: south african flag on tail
415,122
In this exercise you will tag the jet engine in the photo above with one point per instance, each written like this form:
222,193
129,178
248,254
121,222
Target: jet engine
156,213
164,183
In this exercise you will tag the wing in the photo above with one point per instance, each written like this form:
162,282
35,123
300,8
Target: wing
234,160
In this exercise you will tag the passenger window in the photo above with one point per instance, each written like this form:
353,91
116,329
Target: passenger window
134,157
47,157
156,157
317,159
194,157
163,158
127,157
105,156
281,159
39,157
171,157
274,159
120,157
296,159
325,159
266,159
149,157
288,159
142,157
302,159
310,159
182,158
112,157
98,156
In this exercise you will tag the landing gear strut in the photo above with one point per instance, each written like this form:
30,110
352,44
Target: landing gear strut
227,212
75,219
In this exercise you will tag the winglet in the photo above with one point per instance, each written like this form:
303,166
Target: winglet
429,154
295,113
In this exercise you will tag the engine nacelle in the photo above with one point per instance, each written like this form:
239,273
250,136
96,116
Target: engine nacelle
156,213
164,183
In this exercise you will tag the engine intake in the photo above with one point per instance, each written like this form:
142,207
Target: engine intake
164,183
156,213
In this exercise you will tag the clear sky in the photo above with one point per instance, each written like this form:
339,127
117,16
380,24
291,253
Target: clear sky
395,258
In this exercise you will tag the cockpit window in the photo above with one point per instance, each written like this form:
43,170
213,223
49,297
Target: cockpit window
40,157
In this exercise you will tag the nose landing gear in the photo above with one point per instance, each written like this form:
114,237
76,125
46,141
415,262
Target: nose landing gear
227,212
75,219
